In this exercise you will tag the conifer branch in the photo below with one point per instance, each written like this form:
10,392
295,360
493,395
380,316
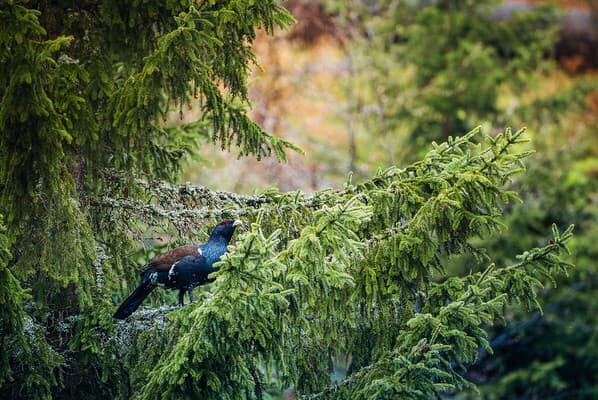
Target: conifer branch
335,388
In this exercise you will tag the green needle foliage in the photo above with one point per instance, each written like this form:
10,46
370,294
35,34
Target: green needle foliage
25,357
358,272
424,69
11,322
540,355
85,88
87,165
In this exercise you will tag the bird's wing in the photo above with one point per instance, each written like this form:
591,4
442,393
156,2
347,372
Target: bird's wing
189,271
164,261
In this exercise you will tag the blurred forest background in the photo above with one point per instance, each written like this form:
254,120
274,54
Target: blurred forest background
361,85
342,84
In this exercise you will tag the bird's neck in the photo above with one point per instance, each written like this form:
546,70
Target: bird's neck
214,248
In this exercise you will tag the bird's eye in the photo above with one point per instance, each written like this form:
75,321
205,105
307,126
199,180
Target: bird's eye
227,222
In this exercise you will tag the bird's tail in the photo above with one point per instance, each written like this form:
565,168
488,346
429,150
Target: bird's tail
135,299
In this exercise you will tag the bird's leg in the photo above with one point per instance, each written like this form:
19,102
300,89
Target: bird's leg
191,297
181,297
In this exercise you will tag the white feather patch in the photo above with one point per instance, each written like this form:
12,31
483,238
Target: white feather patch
171,271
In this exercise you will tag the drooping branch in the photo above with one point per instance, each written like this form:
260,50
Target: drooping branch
152,210
184,204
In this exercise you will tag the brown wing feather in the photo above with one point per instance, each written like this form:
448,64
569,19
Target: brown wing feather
164,261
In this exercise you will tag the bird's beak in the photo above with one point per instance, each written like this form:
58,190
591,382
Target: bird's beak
237,222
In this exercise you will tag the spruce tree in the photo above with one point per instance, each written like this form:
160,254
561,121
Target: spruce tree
87,168
559,186
424,68
84,89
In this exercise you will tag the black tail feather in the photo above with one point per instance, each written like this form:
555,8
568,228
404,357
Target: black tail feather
134,300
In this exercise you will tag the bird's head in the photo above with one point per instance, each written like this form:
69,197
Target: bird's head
225,229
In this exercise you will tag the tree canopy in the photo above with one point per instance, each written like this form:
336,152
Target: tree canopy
88,168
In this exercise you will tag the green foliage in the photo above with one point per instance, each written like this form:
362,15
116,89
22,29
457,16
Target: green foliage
470,62
424,69
84,91
556,351
445,48
85,160
34,364
98,350
421,71
27,361
359,272
11,298
40,117
78,103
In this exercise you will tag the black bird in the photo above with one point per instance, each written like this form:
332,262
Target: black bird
181,268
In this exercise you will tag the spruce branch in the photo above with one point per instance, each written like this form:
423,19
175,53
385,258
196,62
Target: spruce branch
348,262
